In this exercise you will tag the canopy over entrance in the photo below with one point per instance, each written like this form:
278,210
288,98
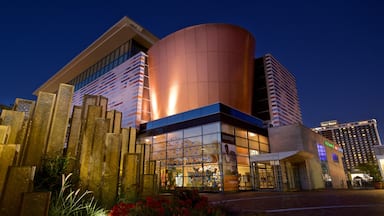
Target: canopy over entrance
278,156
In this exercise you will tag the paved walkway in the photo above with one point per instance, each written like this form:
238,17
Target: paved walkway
314,203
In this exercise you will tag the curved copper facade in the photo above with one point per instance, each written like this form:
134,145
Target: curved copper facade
201,65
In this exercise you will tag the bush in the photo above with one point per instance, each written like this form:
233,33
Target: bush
74,203
182,202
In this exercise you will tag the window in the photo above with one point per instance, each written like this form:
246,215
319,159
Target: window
321,152
335,158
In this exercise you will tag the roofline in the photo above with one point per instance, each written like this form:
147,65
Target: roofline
73,68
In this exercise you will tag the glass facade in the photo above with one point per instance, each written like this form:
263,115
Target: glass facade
211,157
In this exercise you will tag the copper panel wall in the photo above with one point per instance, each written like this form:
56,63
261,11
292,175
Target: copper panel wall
201,65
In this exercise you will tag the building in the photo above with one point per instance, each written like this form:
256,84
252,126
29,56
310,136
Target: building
190,97
357,139
206,148
201,65
114,66
303,160
275,98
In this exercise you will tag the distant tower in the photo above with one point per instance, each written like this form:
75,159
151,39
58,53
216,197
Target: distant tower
356,138
275,98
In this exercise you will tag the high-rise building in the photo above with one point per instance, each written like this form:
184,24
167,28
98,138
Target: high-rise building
275,98
356,139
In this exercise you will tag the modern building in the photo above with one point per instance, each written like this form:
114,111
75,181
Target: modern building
275,98
201,65
207,148
303,159
191,98
114,66
357,139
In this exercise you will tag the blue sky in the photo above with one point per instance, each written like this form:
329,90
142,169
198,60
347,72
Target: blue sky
333,48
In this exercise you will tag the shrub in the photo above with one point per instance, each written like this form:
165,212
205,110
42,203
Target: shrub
182,202
73,203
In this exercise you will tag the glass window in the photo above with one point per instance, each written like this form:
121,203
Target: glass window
225,138
226,128
322,153
211,153
242,151
175,153
192,151
211,128
159,155
190,132
254,144
174,144
241,142
252,136
241,132
211,139
193,159
264,147
263,139
159,138
174,135
192,141
335,158
158,147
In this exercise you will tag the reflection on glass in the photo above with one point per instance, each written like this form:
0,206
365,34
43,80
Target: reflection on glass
211,138
190,132
211,128
241,132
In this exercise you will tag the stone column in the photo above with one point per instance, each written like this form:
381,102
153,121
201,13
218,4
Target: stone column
41,121
87,142
95,100
115,117
27,107
130,181
4,133
111,171
60,119
35,204
74,137
15,120
19,180
96,162
7,158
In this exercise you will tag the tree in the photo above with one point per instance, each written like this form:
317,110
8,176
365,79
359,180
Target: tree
372,169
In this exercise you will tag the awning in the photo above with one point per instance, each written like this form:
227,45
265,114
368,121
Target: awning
278,156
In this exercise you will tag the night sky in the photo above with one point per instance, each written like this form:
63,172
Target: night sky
333,48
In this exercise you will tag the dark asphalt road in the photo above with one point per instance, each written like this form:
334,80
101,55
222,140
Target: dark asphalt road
313,203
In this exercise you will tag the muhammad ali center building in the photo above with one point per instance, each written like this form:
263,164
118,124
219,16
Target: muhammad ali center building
189,95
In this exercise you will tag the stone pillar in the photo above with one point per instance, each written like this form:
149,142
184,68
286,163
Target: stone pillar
95,100
130,181
60,119
132,140
111,171
96,162
15,120
87,142
149,185
24,105
41,121
4,133
74,138
115,117
27,107
7,158
35,204
19,180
